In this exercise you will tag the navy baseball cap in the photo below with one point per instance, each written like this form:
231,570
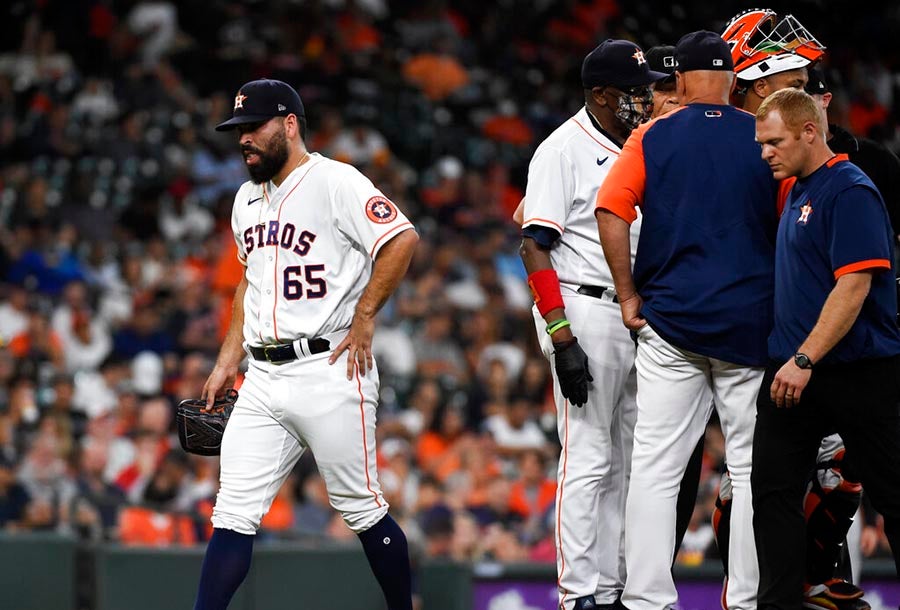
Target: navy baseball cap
817,85
703,50
661,58
619,63
260,100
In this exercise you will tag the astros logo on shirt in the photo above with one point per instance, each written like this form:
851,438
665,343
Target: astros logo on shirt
380,210
805,211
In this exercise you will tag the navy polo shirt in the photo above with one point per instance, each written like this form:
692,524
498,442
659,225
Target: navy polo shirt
706,255
834,222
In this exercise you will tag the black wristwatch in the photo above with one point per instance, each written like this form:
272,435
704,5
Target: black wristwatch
802,361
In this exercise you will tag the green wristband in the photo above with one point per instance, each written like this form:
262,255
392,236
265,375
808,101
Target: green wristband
556,325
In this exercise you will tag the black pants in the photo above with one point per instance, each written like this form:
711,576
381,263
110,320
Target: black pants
861,402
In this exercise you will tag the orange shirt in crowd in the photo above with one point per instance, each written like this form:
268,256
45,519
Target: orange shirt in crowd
140,526
435,457
280,517
436,75
509,129
519,502
863,117
20,345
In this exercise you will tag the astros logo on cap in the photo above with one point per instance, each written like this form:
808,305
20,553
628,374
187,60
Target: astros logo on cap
239,100
380,210
639,56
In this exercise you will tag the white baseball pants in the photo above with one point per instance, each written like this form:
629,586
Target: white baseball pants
676,389
282,410
596,450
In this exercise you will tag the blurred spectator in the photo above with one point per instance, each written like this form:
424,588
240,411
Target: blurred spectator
423,405
86,342
534,492
514,429
45,476
14,497
38,342
496,507
507,126
439,450
144,333
96,503
147,374
279,521
313,513
438,74
134,462
437,354
156,23
698,539
96,391
360,145
181,218
60,407
13,313
96,102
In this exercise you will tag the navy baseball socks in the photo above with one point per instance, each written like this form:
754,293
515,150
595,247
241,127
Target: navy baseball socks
228,555
388,555
225,566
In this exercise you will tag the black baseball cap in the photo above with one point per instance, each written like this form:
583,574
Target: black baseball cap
260,100
620,63
817,85
703,50
661,58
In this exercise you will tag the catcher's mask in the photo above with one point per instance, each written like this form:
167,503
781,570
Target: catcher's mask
762,44
635,106
200,432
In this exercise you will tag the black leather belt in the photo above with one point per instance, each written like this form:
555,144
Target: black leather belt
597,292
284,352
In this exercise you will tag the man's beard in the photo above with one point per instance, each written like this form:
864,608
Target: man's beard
271,161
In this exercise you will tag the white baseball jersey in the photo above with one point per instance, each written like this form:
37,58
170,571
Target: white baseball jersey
308,246
563,179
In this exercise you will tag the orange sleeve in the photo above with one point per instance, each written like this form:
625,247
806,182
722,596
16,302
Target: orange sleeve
623,189
874,263
784,189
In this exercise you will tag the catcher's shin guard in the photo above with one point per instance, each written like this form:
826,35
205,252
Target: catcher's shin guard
721,519
830,504
836,594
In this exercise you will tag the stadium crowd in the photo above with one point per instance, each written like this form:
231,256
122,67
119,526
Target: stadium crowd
118,264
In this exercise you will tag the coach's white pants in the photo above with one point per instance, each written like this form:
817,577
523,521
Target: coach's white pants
596,450
282,410
676,389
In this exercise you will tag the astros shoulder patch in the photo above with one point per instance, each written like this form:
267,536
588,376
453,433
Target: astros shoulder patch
380,210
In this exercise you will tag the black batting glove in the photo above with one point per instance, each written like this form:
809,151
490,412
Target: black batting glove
572,371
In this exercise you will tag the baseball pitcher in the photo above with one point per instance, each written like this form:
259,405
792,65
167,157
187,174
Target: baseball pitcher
323,250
